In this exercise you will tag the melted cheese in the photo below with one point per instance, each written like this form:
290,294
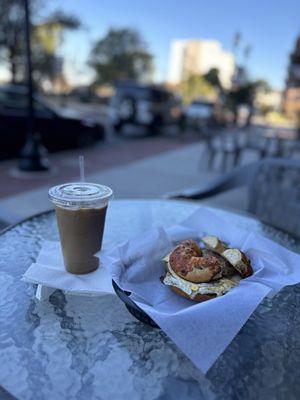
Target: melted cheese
218,287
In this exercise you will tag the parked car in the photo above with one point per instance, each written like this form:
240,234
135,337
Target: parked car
145,105
59,128
199,113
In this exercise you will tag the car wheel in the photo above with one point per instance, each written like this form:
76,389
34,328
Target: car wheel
182,123
154,129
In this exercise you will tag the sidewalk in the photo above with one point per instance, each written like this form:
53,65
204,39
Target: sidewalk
115,152
150,177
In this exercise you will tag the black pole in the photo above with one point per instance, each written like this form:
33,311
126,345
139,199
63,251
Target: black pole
29,69
33,154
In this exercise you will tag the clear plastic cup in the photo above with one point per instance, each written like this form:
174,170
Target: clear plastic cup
80,210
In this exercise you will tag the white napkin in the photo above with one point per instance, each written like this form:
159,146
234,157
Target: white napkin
48,271
202,331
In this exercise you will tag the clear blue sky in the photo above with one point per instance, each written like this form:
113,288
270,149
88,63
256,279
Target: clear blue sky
270,27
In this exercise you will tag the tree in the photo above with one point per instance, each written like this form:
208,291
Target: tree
44,45
212,77
11,34
196,86
121,54
247,52
245,95
262,85
236,41
47,37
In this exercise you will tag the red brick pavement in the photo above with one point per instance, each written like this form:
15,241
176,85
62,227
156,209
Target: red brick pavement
97,158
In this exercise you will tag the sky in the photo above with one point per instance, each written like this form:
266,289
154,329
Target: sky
269,26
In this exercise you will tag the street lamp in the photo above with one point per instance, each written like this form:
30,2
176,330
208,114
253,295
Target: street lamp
33,156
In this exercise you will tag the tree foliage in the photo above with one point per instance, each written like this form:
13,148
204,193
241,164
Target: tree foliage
121,54
67,21
212,77
46,37
262,85
246,93
196,86
11,34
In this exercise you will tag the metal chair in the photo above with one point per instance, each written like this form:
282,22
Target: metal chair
258,144
273,189
269,146
226,145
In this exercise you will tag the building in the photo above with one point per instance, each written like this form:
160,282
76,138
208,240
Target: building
291,103
195,56
292,92
269,101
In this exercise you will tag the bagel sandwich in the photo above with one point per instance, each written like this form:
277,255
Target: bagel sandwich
215,244
203,274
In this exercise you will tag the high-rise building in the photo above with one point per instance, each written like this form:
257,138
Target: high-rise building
197,56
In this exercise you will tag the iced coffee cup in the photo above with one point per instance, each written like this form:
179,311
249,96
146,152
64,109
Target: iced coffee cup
80,210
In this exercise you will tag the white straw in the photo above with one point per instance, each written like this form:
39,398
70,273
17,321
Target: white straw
81,168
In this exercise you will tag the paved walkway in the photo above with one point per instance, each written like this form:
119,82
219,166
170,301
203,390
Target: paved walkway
115,152
134,168
150,177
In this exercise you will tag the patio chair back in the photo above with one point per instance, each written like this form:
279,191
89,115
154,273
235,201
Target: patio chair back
274,194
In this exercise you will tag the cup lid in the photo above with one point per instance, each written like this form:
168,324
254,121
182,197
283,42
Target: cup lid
80,194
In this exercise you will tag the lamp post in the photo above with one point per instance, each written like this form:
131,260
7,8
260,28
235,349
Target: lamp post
33,156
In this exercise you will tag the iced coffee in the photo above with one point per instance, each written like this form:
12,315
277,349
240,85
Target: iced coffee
81,211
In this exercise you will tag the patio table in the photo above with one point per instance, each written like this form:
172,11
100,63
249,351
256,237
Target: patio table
74,347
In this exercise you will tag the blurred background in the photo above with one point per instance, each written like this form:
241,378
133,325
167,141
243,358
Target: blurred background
158,97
